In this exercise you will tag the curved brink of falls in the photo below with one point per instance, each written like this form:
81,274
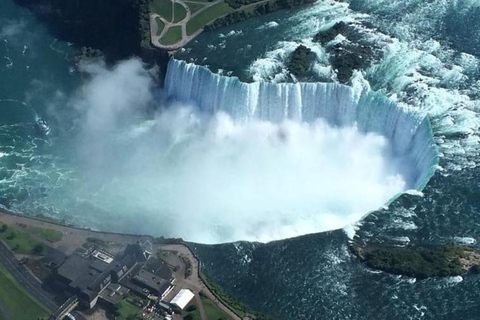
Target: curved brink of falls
409,134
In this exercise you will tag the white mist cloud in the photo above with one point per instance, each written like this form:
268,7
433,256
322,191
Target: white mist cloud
210,179
113,96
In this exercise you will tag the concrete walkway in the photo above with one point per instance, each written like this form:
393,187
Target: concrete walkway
195,283
155,37
75,237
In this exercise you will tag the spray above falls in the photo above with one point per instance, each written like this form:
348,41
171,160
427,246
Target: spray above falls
409,135
226,160
223,160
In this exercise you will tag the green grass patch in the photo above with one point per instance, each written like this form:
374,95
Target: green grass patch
213,311
179,11
232,303
163,8
20,241
19,304
192,312
237,306
45,234
172,36
160,25
207,16
194,7
127,311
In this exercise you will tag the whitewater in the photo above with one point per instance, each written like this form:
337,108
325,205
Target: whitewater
427,66
408,133
427,62
256,162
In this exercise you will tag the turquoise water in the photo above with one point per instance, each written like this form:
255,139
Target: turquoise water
310,277
37,76
429,63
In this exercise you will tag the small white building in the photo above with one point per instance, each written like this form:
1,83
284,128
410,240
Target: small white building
182,298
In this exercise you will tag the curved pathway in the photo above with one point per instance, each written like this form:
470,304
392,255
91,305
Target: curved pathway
155,37
75,237
195,283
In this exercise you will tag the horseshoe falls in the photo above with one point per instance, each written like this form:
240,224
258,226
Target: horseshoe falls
409,134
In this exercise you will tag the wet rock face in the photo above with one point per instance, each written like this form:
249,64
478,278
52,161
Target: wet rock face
347,58
300,61
325,36
352,53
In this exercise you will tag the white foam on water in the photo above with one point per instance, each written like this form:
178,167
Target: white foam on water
271,24
257,181
465,240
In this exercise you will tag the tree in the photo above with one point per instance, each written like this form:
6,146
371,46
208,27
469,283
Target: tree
3,228
38,249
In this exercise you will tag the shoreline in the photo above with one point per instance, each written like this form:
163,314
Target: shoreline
73,235
422,261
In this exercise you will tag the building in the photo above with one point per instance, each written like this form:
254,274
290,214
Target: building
152,278
87,275
114,293
183,298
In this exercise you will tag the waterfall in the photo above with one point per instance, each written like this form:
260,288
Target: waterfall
410,135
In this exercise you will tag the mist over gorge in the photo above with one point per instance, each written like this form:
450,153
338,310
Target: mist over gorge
267,157
210,168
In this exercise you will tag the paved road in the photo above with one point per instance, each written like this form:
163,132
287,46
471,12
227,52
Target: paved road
28,281
25,278
194,282
155,39
75,237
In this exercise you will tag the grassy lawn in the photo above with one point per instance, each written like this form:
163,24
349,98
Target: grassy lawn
179,12
207,16
192,312
212,311
163,8
45,234
17,301
237,306
19,240
127,309
160,25
194,7
172,36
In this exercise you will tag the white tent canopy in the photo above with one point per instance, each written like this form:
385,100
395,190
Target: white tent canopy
182,298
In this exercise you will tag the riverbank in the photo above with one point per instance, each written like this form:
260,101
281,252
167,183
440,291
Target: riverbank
73,237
